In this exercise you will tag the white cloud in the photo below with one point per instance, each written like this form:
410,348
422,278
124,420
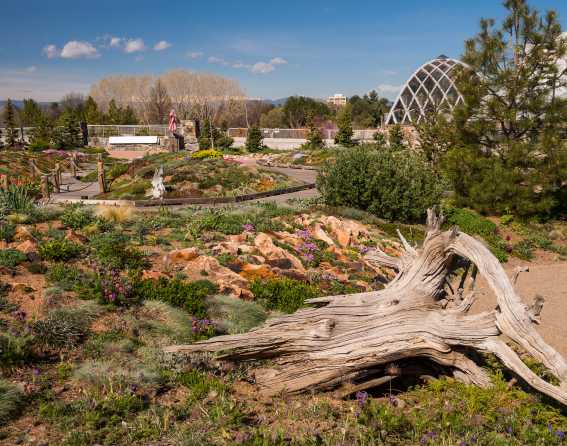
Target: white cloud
257,68
218,61
116,42
31,69
50,51
262,68
75,49
278,61
134,45
195,55
162,45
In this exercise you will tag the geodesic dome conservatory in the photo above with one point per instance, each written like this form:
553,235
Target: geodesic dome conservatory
429,88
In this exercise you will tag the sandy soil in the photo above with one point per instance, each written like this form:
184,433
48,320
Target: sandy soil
549,280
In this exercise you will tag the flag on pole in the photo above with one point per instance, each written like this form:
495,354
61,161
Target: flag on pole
172,121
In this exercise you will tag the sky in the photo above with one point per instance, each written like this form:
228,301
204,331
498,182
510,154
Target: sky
274,49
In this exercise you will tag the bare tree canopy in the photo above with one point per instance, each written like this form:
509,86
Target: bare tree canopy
193,95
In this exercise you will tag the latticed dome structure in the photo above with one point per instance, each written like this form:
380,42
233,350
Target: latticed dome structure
429,88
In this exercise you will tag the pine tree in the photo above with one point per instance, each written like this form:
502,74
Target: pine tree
42,133
344,123
113,115
92,114
30,113
68,133
10,124
314,138
512,153
254,140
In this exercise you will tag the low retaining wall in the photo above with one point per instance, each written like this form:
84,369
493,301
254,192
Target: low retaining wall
181,200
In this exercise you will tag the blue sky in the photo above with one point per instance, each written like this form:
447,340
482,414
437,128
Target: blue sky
275,49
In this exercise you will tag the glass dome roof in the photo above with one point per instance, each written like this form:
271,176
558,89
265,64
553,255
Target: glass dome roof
429,88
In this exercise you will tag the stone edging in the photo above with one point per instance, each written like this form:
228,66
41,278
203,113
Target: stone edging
181,200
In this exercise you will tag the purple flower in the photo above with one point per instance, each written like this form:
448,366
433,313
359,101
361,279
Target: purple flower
35,372
248,227
363,249
361,398
509,430
560,435
304,234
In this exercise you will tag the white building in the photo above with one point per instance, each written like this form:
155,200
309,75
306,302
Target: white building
337,100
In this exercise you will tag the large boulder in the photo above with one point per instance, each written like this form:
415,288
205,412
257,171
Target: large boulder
271,252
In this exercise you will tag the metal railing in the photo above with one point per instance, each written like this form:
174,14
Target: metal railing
105,131
361,135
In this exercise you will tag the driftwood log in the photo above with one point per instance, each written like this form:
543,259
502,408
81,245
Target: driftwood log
356,338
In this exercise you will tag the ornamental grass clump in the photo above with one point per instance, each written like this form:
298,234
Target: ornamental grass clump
11,400
64,328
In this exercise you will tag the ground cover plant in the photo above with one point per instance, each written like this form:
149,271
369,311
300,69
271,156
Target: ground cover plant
82,337
202,174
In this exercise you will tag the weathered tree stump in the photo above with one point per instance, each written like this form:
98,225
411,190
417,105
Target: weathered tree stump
419,314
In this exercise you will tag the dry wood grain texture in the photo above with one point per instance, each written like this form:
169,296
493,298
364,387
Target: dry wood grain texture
353,338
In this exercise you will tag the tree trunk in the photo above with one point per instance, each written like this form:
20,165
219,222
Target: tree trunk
353,338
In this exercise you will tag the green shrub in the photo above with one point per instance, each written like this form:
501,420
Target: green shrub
189,296
64,276
7,231
283,294
77,216
224,142
474,224
10,258
112,251
200,383
11,400
395,185
63,328
524,249
59,250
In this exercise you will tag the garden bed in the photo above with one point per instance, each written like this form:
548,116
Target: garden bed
187,177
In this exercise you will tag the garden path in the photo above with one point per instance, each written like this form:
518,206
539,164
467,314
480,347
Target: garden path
546,279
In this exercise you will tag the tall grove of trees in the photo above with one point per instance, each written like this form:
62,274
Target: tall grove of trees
509,151
193,95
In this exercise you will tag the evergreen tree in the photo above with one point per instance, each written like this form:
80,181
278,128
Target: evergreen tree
30,113
512,153
129,116
314,138
10,124
344,123
68,133
42,132
254,140
396,138
92,113
113,115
